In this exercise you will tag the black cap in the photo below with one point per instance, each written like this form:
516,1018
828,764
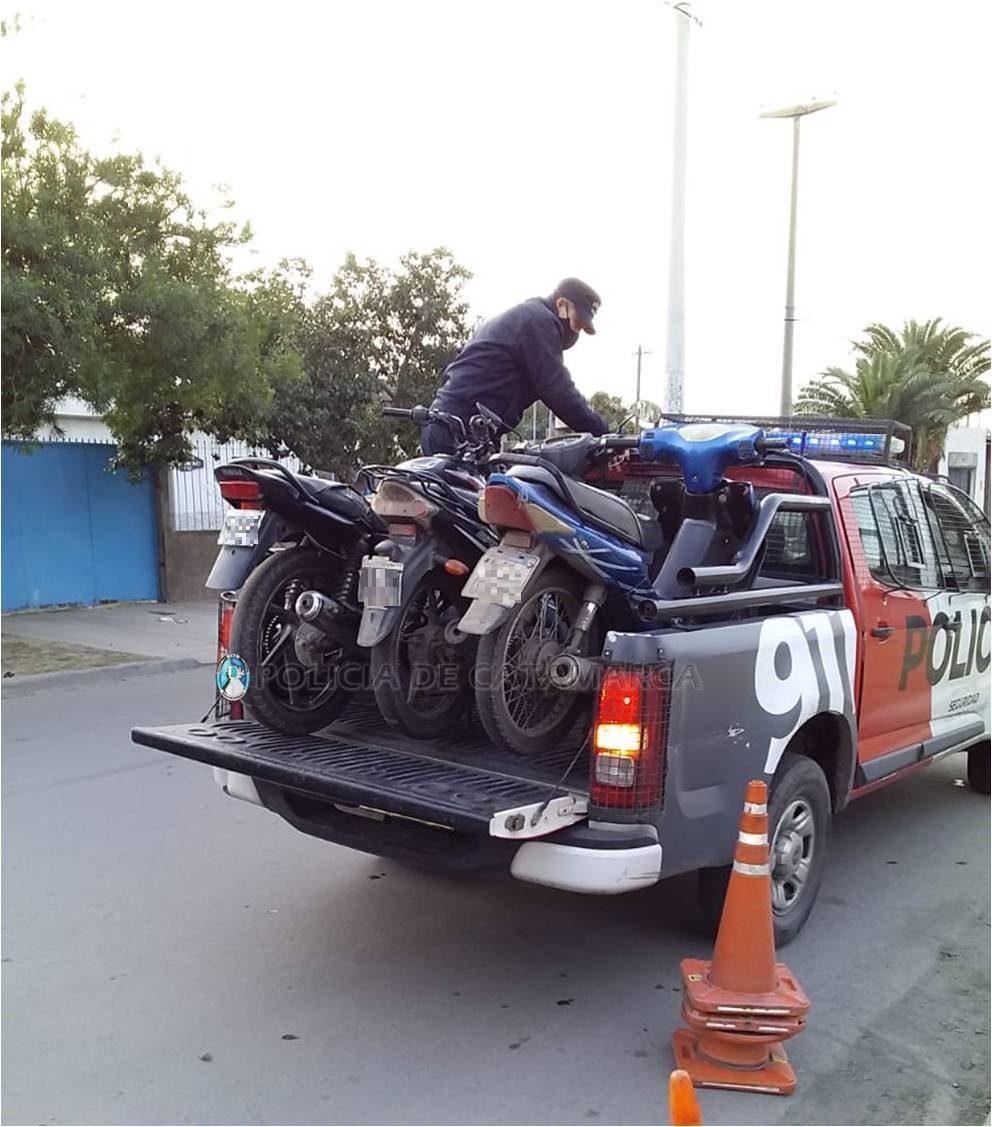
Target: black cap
583,297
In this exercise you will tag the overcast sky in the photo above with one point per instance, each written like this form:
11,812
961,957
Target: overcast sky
534,140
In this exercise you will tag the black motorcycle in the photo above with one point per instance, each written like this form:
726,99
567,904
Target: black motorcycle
292,547
411,584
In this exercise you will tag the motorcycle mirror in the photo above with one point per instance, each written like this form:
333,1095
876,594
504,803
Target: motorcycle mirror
623,423
496,421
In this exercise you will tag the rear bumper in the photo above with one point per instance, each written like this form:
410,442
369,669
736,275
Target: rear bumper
587,859
579,868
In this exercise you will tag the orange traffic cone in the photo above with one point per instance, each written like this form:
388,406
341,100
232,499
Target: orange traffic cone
683,1107
740,1006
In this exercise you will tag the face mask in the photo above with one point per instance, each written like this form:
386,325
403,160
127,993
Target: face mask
571,336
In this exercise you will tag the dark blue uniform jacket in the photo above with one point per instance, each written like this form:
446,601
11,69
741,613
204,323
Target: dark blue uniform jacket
512,361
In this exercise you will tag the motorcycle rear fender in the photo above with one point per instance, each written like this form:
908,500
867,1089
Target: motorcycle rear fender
233,565
417,561
483,618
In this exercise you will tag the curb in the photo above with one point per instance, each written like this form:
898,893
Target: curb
30,684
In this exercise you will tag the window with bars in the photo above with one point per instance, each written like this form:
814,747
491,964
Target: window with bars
961,533
896,536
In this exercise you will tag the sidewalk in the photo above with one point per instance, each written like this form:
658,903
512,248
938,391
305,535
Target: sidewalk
157,630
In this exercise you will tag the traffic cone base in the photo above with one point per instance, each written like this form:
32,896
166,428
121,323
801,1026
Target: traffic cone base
773,1028
775,1077
787,999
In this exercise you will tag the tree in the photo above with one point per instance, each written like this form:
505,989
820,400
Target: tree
380,336
610,407
926,376
116,289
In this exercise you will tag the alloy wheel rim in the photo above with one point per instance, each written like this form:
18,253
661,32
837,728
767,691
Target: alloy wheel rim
792,851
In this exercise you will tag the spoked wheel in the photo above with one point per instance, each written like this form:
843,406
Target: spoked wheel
300,679
518,705
420,672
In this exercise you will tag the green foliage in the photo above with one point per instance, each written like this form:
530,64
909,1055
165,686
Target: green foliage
380,336
925,376
611,408
117,290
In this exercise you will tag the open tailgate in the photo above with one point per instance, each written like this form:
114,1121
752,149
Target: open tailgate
411,779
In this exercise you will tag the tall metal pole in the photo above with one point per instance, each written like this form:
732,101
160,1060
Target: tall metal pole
675,342
640,354
785,407
796,113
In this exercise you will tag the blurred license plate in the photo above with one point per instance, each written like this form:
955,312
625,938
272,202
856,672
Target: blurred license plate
501,576
241,528
379,583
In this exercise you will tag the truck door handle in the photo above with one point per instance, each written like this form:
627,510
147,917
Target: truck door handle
882,631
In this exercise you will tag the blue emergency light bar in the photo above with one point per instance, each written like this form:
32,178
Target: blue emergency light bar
843,440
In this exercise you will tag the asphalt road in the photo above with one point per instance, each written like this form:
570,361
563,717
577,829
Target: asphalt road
148,920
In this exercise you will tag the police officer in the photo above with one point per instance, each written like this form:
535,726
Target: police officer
516,359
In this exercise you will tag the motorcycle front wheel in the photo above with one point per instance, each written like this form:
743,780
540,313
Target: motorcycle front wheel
420,672
518,706
299,680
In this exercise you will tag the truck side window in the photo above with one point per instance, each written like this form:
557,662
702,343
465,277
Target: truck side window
961,532
789,548
895,535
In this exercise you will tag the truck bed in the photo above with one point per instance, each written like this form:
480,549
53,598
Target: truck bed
460,781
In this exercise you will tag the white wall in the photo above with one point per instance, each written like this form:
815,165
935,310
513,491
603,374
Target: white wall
966,448
78,422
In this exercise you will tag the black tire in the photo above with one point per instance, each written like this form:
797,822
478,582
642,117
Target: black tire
979,758
798,788
284,693
416,641
500,713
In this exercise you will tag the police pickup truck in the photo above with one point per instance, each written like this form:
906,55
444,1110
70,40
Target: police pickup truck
860,653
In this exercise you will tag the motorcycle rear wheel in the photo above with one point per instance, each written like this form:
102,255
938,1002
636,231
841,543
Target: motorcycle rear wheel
284,692
421,682
518,706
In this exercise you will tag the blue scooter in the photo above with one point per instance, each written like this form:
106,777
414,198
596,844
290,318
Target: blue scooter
575,560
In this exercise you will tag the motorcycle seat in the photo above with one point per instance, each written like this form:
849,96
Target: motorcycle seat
335,495
605,510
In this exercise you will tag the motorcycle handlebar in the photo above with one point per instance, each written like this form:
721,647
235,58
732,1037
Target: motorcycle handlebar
766,445
620,441
397,412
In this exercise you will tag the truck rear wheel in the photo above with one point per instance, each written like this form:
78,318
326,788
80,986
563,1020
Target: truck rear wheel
979,758
799,813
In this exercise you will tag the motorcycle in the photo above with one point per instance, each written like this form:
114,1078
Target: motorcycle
292,546
410,584
575,560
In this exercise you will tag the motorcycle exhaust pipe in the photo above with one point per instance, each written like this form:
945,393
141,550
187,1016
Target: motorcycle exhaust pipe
328,616
571,674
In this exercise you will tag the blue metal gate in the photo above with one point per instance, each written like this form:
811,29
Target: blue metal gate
72,532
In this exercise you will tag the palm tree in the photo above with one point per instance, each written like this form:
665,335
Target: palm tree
926,376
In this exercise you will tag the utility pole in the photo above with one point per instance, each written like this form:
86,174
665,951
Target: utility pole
639,353
675,343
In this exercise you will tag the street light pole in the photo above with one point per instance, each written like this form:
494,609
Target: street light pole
796,113
675,337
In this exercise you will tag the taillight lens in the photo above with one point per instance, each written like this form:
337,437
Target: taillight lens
225,616
241,492
629,735
394,499
502,508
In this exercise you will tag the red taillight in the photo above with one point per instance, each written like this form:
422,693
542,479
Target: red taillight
628,738
241,491
225,616
502,508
